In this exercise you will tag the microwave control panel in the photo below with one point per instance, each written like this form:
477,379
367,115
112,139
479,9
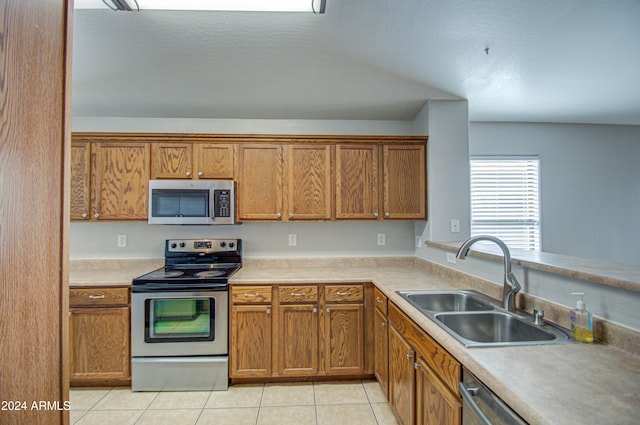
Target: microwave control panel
222,203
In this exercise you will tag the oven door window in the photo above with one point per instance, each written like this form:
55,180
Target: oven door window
179,319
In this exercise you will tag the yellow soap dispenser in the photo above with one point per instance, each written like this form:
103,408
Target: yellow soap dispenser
581,321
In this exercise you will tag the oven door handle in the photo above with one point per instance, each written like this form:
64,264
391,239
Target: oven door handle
177,287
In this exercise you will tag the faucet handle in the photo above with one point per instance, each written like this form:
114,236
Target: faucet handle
538,317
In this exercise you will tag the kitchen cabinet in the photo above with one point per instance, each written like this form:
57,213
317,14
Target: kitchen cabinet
343,330
435,374
401,377
357,182
120,180
251,331
260,182
298,331
309,182
381,335
80,202
404,182
172,160
99,336
298,323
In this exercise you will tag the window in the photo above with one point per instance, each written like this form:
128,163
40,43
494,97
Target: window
505,201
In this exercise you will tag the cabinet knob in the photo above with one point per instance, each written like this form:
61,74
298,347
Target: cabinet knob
315,310
85,215
279,215
387,214
290,215
96,215
200,173
384,325
375,214
188,173
379,300
268,311
409,356
328,310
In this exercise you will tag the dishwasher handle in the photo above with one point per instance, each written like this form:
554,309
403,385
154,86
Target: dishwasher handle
467,393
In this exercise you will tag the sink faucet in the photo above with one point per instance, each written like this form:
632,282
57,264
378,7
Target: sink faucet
511,285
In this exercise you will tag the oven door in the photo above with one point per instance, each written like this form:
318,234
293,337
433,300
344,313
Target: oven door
179,323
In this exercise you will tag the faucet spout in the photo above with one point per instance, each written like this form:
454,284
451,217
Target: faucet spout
511,286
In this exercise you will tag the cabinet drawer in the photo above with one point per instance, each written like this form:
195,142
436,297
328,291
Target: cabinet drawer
344,293
298,294
251,294
380,300
99,296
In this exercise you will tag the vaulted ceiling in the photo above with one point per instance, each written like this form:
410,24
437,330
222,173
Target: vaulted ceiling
540,61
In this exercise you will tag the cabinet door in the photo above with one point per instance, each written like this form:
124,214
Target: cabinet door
309,182
120,180
298,340
357,182
171,160
343,339
401,377
404,175
214,160
382,350
250,348
260,182
99,343
434,402
80,189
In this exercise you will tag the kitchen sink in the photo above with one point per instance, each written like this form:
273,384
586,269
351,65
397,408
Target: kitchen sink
476,320
447,300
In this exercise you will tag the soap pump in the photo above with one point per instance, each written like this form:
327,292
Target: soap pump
581,321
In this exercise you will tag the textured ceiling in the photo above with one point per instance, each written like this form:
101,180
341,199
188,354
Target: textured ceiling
548,61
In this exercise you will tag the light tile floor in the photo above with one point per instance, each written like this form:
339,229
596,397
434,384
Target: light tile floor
319,403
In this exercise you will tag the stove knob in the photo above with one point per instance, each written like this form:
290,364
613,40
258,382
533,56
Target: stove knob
173,245
182,244
223,244
232,245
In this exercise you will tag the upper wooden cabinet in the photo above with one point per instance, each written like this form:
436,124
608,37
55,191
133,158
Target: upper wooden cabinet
120,180
80,182
357,182
260,182
404,181
309,178
172,160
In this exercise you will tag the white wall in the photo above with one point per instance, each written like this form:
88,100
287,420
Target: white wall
590,183
333,239
447,124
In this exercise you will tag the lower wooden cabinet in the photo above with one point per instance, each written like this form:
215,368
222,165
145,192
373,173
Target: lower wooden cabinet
423,377
99,336
297,331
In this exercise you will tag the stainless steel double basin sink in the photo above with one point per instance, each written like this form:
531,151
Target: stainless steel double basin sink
477,321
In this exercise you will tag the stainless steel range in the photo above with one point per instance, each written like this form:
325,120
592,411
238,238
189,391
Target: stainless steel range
180,317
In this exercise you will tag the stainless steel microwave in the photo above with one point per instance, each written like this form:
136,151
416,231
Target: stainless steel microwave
191,202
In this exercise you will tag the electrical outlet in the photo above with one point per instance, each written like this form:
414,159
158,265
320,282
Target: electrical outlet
122,241
451,258
382,238
293,239
418,242
455,226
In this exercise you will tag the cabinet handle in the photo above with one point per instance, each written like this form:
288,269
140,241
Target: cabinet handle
96,297
268,311
328,310
200,173
279,215
188,173
251,295
387,214
384,325
290,215
416,366
409,356
379,300
343,294
315,309
85,215
375,215
96,215
301,294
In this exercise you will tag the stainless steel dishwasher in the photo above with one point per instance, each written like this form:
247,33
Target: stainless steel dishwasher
481,407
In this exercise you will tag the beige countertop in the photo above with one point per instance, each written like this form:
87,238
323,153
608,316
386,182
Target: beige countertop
546,385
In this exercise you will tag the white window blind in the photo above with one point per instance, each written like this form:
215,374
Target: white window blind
505,200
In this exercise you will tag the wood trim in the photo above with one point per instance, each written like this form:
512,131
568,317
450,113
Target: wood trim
245,138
